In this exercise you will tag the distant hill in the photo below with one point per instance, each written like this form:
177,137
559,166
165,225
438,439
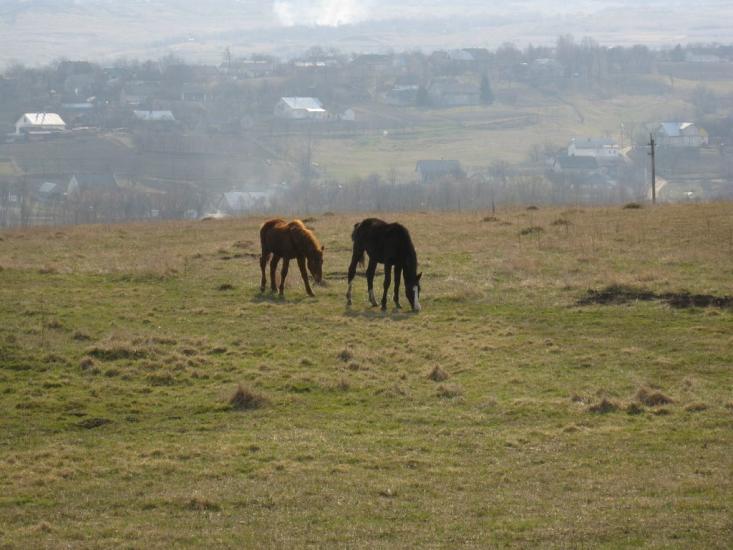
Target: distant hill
39,31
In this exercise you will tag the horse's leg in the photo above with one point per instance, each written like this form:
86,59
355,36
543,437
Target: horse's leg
263,265
283,274
304,274
273,272
387,282
371,269
397,275
352,272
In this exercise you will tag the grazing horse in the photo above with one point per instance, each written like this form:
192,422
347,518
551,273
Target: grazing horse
389,244
287,241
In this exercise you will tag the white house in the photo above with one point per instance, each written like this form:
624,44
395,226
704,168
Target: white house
39,122
154,116
601,149
300,108
681,134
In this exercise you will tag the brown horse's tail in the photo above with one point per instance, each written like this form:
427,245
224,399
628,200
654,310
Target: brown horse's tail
264,229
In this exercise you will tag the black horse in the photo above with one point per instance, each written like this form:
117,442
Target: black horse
389,244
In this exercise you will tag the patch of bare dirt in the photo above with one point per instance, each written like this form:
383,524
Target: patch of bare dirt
623,294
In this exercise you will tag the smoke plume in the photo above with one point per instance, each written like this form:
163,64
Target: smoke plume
326,13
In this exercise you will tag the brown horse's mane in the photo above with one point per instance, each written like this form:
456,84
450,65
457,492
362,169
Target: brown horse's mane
308,235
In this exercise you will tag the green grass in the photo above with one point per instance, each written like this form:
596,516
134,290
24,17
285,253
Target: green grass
120,352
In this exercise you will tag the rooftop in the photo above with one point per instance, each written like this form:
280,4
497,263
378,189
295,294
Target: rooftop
306,103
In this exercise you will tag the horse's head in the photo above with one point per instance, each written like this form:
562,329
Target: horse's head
315,264
412,292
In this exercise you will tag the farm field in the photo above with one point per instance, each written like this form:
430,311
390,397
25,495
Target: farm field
479,136
517,409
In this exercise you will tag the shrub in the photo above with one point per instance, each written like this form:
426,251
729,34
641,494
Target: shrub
245,399
652,398
604,407
438,374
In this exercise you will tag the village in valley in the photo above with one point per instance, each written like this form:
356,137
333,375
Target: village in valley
169,139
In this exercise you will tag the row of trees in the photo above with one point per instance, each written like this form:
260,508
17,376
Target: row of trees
21,206
502,186
505,187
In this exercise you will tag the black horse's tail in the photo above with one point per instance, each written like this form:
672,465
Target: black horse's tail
353,239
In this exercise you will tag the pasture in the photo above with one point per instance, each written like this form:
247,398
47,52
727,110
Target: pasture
517,409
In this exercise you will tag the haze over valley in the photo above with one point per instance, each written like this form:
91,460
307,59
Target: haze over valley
40,31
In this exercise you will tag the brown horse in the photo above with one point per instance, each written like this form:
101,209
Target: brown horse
287,241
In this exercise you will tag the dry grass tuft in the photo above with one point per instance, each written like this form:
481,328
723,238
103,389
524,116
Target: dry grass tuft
91,423
161,379
245,399
81,336
561,222
200,504
345,356
86,363
394,391
634,409
531,230
449,391
113,351
489,219
696,407
44,527
224,287
652,398
438,374
604,407
343,385
632,206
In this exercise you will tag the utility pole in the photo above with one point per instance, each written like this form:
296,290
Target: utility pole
654,173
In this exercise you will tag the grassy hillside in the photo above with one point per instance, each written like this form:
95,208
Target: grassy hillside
507,413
